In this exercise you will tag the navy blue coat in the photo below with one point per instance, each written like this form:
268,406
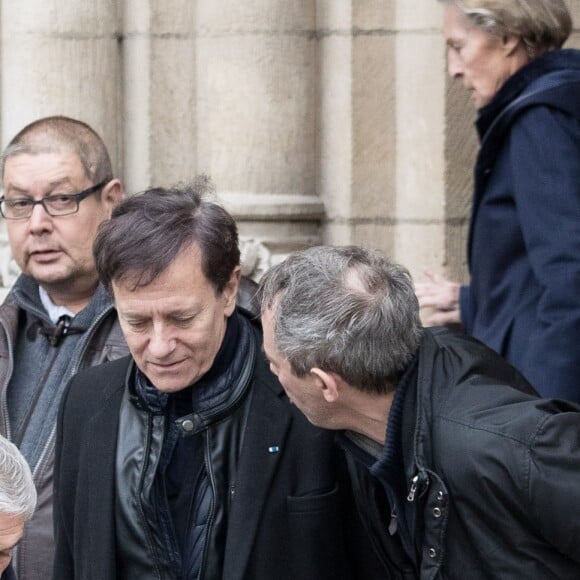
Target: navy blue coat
524,243
8,574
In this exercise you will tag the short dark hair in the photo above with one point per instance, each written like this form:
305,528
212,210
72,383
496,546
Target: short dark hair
51,134
147,231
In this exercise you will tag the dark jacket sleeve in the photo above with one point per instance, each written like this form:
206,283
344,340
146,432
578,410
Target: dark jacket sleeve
8,574
545,160
84,473
63,562
465,309
553,490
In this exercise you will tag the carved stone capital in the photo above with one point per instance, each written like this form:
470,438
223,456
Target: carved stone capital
272,225
8,269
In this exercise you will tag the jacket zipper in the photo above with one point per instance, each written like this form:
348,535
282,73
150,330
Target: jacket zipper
5,389
140,488
418,483
210,520
413,489
393,523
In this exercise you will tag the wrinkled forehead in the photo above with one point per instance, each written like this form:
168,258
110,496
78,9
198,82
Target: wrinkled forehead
41,146
27,171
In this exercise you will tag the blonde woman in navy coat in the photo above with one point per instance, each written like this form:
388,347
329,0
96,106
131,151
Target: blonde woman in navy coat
523,299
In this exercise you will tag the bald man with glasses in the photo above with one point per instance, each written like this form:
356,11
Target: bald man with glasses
58,187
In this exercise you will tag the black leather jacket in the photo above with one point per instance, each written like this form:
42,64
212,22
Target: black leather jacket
140,505
492,469
285,512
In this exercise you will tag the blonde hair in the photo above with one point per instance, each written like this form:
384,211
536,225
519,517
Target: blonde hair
543,25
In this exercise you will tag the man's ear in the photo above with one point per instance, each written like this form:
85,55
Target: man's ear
111,195
328,383
230,291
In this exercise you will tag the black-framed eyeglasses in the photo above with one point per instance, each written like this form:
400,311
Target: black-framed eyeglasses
20,208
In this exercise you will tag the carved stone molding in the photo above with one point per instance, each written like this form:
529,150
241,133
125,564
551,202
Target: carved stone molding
256,258
8,269
273,225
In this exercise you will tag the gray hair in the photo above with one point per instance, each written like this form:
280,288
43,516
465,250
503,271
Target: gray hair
346,310
542,25
58,133
17,491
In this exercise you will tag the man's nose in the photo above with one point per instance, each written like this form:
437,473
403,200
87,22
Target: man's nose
161,342
39,219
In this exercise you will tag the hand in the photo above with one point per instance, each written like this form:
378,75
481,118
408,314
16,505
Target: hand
440,295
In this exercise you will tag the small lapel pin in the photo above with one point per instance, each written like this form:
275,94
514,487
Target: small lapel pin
273,449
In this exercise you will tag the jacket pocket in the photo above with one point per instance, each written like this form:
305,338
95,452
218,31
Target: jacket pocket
315,530
313,503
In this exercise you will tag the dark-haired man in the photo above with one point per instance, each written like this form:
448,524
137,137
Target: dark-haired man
186,459
58,187
459,470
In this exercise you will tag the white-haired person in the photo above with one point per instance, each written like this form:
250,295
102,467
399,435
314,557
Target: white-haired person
17,502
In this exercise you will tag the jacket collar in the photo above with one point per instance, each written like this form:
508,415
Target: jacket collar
553,80
269,423
418,412
555,61
214,395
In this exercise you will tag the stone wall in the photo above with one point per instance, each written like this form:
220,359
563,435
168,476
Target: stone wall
320,121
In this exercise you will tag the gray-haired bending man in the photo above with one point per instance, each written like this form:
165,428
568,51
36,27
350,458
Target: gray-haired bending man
459,470
17,502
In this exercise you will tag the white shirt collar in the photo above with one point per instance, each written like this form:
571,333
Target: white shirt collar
54,311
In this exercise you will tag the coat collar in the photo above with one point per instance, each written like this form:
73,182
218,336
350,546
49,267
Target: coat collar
550,80
100,508
268,424
551,62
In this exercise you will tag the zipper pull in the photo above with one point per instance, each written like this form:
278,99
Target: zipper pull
420,480
393,523
413,490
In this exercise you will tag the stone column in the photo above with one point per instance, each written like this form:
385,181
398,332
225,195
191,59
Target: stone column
574,7
357,177
383,130
59,58
159,75
256,120
137,94
435,140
